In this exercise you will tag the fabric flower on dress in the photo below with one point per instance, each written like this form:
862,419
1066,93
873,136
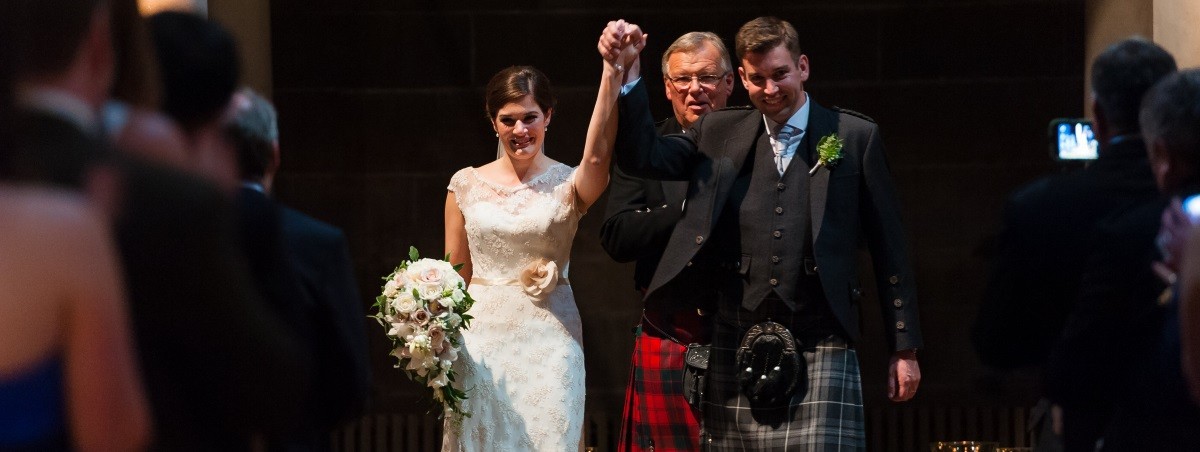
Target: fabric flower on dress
539,278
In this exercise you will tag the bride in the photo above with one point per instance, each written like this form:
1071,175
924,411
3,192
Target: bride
511,222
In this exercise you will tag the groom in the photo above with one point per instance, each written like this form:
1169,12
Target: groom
784,241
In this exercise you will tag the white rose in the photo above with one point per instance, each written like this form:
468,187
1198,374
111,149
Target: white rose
405,303
539,278
391,289
454,280
457,296
453,320
428,271
429,291
447,302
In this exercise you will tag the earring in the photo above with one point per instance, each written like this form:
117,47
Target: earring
497,134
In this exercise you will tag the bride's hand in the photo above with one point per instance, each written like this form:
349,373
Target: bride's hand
620,44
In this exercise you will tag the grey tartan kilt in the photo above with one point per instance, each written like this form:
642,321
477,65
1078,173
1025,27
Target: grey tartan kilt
824,414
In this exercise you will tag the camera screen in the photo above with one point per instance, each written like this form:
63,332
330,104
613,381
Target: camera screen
1076,141
1191,206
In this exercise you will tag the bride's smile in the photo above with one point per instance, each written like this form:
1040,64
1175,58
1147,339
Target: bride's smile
520,125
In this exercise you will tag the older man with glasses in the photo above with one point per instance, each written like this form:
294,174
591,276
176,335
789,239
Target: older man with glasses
641,214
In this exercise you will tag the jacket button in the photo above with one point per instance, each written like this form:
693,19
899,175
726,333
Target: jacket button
780,186
700,239
689,264
777,234
779,210
894,279
774,259
774,282
898,303
900,325
856,293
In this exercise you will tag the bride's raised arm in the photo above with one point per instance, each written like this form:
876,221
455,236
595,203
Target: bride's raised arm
591,177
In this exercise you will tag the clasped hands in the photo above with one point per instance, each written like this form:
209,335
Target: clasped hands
620,44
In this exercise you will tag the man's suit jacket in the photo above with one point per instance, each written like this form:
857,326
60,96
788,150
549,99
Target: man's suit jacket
1049,229
640,216
322,259
304,267
1113,327
853,201
216,362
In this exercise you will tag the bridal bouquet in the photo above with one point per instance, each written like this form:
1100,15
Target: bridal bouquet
424,309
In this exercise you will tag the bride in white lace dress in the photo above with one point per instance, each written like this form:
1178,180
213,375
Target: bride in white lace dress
512,222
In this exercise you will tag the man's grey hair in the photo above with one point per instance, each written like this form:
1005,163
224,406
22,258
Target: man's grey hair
254,132
256,116
1171,113
692,41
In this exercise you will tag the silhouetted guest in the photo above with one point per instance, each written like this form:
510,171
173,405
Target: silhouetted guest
198,63
217,363
1049,223
68,373
132,118
1049,227
1117,319
1154,411
321,257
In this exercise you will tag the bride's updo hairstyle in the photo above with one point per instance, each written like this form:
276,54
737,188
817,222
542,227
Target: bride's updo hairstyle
513,83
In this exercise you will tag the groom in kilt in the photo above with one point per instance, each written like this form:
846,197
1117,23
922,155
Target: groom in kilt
779,199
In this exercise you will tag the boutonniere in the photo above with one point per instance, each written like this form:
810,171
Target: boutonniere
829,153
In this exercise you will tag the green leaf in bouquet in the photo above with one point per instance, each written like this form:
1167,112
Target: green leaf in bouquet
413,255
457,267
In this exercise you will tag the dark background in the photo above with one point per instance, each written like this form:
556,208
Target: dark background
381,101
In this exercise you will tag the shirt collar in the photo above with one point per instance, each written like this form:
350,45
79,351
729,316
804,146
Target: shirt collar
799,119
62,104
254,186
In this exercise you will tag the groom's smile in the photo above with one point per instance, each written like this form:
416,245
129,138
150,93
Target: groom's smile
775,81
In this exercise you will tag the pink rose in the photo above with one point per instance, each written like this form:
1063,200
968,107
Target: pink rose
421,316
437,339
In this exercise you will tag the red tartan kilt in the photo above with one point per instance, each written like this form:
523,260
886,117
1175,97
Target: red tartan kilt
656,413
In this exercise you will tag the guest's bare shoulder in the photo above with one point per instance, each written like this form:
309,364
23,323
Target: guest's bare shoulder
36,215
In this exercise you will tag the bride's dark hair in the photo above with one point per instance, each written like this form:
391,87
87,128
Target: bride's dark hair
515,82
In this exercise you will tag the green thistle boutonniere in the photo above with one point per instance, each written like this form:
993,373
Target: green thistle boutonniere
829,153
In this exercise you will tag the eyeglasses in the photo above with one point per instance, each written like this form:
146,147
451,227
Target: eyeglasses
706,81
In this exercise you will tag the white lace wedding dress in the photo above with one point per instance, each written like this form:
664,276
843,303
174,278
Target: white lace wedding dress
522,358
